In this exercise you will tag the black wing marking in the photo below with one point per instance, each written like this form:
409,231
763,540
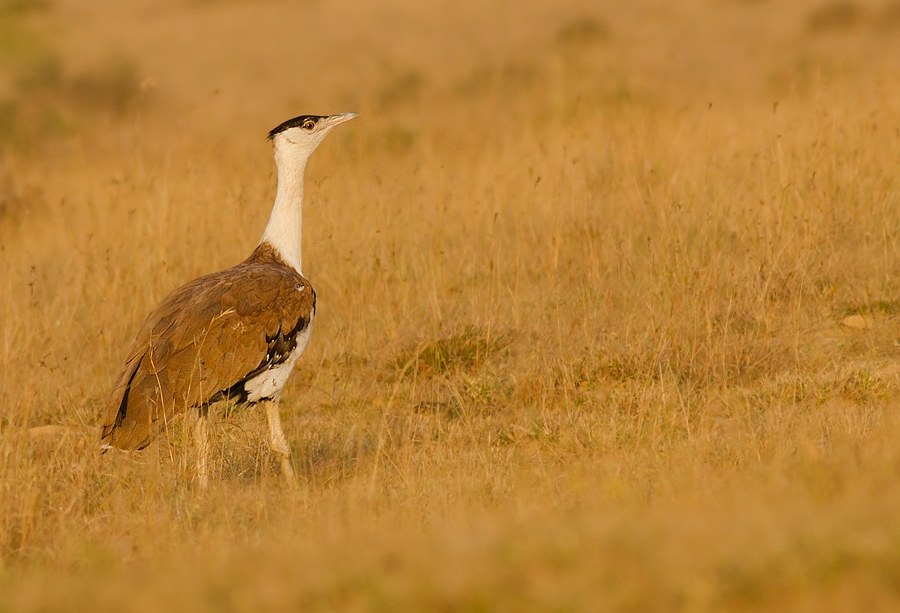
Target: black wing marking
278,349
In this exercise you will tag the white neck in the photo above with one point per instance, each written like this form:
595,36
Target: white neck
286,222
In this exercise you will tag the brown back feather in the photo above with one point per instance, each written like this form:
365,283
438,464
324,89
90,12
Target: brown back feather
202,339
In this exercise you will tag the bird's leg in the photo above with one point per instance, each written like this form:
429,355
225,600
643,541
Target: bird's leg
278,443
201,439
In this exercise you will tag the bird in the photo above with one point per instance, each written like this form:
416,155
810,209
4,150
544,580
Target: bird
231,335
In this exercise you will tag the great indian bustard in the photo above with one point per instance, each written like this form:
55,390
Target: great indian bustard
234,334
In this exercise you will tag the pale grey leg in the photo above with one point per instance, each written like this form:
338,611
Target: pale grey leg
201,440
278,443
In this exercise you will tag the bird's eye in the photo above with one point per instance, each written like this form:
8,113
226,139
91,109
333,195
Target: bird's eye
309,124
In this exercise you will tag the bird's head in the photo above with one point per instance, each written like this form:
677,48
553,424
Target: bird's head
299,137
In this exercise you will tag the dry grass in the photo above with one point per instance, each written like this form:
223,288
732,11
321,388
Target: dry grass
581,277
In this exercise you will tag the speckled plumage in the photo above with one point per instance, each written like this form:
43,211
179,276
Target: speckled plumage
205,341
234,334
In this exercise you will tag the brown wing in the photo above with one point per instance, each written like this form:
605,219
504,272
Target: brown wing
200,342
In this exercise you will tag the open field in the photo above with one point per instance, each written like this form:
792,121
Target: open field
609,303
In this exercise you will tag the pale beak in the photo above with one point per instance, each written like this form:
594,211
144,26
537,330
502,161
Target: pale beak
334,120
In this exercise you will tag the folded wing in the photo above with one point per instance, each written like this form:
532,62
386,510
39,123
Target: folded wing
200,343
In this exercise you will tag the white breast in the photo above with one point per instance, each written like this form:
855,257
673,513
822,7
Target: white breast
270,382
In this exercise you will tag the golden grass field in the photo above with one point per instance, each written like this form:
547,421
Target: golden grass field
609,304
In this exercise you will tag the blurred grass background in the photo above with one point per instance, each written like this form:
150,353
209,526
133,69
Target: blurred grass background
608,303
